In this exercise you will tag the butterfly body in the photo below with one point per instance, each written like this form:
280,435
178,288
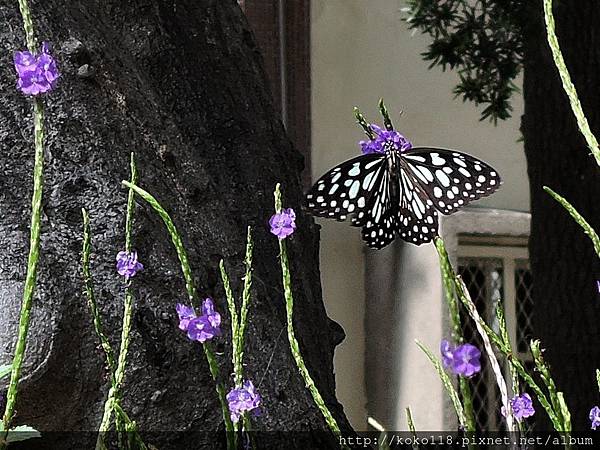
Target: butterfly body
399,190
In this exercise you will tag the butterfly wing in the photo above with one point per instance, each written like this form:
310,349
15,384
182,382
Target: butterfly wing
347,188
418,219
401,206
451,179
379,221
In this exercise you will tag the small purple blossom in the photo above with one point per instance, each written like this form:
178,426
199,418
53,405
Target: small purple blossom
38,74
128,264
283,224
186,314
462,360
385,140
595,417
244,399
522,407
202,328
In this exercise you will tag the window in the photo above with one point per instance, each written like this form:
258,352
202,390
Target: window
495,273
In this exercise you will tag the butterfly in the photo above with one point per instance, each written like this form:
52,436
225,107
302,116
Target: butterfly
397,189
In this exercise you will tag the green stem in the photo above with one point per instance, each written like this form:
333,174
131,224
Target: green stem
453,309
294,346
32,44
454,398
114,394
587,228
246,292
360,119
191,291
568,85
89,290
497,340
387,122
236,360
34,250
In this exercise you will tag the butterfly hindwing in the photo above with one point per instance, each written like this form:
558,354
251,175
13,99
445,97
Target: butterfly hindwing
346,189
418,219
451,179
380,221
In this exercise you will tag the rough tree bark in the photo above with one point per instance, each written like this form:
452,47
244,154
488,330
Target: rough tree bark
563,262
180,83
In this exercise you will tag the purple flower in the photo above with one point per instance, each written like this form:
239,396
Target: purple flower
242,400
186,314
202,328
521,406
128,264
447,353
462,360
595,417
37,73
385,140
283,224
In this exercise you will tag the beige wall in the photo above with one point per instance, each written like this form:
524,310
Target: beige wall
361,50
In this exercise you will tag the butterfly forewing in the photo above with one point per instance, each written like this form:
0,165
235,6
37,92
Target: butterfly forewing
347,189
450,178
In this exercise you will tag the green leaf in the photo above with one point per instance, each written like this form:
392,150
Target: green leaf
22,433
5,370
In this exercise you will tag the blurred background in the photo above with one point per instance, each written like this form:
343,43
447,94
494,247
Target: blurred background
324,57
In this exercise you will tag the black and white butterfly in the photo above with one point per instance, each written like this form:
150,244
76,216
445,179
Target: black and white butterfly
401,192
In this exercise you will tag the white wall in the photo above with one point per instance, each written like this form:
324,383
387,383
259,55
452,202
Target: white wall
361,51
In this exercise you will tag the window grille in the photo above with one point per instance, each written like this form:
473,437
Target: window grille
492,274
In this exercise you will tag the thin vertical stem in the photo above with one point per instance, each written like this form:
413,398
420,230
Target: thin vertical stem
294,346
89,290
34,250
114,394
451,294
568,85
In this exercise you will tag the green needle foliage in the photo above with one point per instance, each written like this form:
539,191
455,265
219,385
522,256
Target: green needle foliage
191,291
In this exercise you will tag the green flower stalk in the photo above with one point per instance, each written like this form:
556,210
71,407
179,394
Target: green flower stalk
447,382
294,346
451,299
89,290
568,85
118,374
34,240
500,344
191,291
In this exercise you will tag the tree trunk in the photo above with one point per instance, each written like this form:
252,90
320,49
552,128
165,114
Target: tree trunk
180,83
563,262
